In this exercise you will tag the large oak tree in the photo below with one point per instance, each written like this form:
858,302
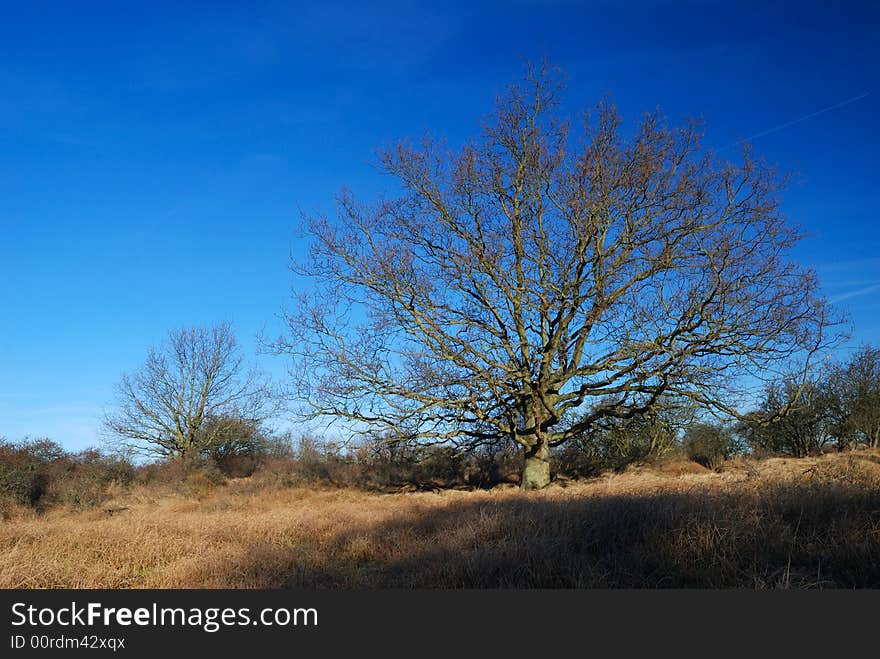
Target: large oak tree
543,279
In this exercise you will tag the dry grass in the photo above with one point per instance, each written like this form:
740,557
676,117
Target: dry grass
776,523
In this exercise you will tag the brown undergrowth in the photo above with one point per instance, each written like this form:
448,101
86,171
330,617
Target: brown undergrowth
778,523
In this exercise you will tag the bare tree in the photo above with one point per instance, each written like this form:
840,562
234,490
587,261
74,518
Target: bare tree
805,429
854,392
192,392
537,281
614,442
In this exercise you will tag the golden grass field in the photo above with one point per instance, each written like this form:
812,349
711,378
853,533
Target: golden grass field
808,523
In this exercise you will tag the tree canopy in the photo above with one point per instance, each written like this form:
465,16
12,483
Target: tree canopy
546,277
191,395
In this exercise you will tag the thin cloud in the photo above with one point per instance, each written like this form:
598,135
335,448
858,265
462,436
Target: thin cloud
850,283
847,266
860,291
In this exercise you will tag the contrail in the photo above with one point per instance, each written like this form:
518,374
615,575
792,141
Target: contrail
861,291
799,120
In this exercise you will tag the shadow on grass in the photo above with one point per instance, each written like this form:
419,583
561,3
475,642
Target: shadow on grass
785,536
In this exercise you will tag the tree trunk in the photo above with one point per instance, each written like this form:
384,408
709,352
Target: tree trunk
536,470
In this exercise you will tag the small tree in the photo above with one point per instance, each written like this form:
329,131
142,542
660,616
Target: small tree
223,437
238,446
535,283
190,396
803,430
615,443
853,390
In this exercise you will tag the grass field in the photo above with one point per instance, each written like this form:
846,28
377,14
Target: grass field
777,523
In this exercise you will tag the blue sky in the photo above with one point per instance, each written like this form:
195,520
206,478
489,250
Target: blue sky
153,157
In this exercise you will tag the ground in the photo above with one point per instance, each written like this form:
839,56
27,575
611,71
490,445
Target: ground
802,523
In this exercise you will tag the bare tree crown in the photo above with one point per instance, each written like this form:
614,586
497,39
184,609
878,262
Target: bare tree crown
188,394
541,279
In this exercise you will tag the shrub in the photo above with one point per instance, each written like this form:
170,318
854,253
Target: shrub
24,469
708,444
440,466
202,478
82,480
578,459
238,446
192,475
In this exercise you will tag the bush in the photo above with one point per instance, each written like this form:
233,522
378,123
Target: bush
238,446
320,462
23,484
202,478
192,475
618,443
805,429
708,444
381,465
493,464
39,473
83,480
441,466
578,459
24,469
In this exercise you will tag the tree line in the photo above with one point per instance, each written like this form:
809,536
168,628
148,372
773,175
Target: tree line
837,406
836,410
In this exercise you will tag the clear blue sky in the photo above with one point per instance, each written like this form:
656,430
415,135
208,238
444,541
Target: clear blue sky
153,156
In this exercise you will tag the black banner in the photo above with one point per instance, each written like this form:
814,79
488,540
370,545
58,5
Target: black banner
410,623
